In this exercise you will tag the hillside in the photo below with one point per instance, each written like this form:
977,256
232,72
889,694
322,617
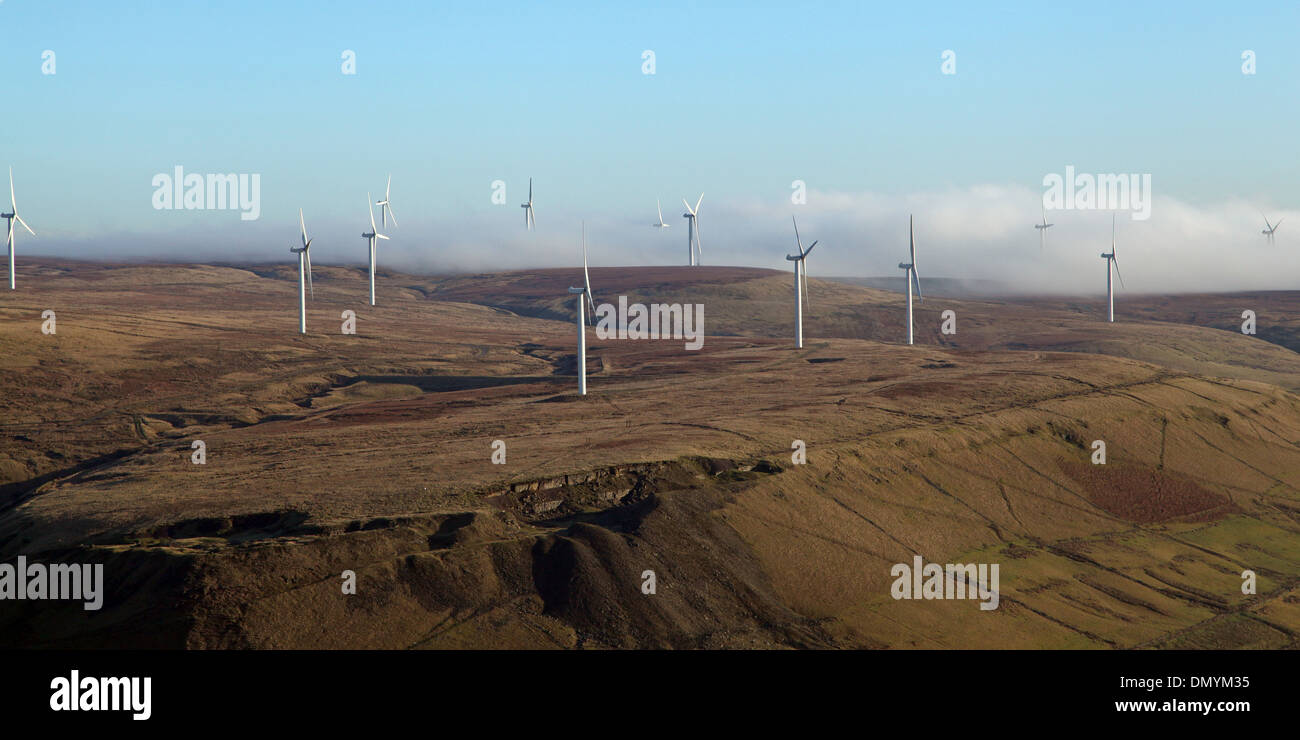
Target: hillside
372,453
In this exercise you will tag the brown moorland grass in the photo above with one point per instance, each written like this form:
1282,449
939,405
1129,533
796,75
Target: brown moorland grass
372,453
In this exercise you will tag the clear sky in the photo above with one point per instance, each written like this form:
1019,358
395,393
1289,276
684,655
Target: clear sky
746,97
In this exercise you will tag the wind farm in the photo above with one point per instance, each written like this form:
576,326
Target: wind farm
529,446
442,370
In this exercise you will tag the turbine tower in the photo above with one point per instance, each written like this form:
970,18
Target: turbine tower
530,221
1042,230
1110,260
1268,231
912,278
581,293
10,218
800,282
386,210
661,224
693,232
304,274
370,238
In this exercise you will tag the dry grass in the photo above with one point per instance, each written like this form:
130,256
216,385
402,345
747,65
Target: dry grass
372,453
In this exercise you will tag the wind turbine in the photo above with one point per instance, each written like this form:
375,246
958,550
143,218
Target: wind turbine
1042,230
530,221
304,274
1110,259
370,237
693,231
911,277
583,292
800,282
1268,230
661,224
10,218
386,210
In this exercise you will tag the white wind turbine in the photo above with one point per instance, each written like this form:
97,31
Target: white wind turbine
530,221
370,238
911,277
10,218
1268,231
581,293
693,231
386,210
304,274
800,282
1110,260
1042,230
661,224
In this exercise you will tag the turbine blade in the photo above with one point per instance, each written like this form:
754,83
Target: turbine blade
381,236
916,281
1279,223
806,297
303,225
699,245
797,240
586,278
389,188
530,192
20,220
660,209
12,202
697,203
688,207
1117,273
810,249
391,214
311,288
371,206
911,234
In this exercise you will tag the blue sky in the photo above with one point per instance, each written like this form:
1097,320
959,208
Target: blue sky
746,97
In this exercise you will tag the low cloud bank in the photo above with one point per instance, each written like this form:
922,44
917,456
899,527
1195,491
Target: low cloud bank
977,233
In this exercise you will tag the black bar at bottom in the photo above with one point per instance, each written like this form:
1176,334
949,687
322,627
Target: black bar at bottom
304,689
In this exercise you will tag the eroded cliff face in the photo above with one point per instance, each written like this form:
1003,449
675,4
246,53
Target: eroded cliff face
762,553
